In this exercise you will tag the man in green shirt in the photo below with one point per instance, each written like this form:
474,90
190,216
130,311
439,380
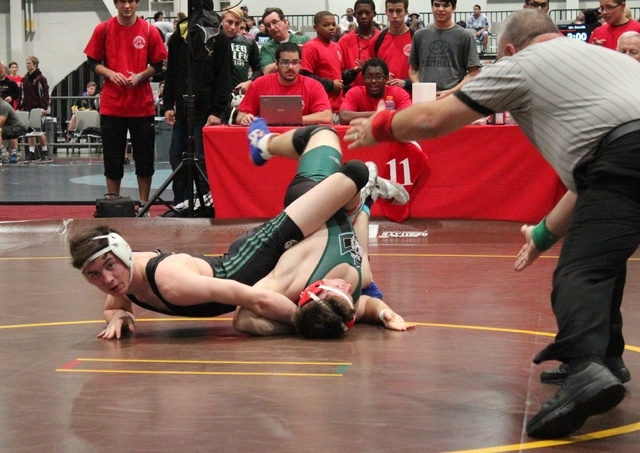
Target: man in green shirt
278,27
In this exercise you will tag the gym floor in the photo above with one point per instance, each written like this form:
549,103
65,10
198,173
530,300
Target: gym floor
462,381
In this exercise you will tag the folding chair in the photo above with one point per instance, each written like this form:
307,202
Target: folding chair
87,131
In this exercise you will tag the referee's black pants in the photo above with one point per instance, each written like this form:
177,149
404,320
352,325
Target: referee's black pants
604,231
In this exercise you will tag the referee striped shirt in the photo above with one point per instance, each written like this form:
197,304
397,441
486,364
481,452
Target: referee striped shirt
566,95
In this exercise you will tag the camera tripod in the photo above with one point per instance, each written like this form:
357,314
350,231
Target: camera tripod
189,160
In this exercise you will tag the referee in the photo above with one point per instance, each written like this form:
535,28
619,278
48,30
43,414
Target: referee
586,124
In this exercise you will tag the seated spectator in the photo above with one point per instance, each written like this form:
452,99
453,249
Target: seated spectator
629,43
287,80
480,24
277,25
362,101
323,58
617,23
86,102
262,36
10,129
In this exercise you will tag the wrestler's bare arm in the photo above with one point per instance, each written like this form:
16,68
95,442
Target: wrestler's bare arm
372,310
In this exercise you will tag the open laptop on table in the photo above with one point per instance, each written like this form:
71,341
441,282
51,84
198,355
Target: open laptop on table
281,110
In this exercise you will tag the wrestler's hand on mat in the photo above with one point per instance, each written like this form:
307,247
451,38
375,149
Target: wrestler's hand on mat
120,319
393,321
528,253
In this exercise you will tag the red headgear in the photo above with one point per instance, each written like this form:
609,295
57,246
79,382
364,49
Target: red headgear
311,293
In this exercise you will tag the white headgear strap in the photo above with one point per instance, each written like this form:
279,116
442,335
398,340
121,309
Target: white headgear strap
337,291
116,245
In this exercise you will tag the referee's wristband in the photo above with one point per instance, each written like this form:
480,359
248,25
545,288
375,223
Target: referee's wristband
542,237
381,126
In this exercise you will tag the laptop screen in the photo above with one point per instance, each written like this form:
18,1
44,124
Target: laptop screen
281,110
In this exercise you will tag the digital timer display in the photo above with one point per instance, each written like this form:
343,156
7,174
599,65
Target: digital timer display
576,31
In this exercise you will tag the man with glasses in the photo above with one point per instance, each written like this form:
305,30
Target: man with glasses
607,35
277,25
363,101
443,53
287,80
537,4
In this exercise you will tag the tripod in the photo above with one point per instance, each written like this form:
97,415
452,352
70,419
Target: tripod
189,161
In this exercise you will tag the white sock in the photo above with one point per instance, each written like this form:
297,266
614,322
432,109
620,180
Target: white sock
263,144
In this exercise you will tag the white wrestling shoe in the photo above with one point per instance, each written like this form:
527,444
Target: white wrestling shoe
385,189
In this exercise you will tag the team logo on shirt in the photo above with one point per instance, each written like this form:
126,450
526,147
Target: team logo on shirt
407,49
139,42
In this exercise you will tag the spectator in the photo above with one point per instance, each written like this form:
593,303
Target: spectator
244,51
357,47
617,23
13,73
363,101
449,70
158,100
211,75
535,4
277,25
414,23
394,44
10,129
323,58
116,53
163,27
629,43
480,24
245,10
9,89
316,107
262,36
347,20
86,102
35,95
252,29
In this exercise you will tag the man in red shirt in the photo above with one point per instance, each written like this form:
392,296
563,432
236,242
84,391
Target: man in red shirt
287,81
362,101
127,52
617,23
394,45
323,58
357,46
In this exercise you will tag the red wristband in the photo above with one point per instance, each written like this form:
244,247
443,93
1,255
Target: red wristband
381,126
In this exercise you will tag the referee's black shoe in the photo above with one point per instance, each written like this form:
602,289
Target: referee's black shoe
559,374
592,391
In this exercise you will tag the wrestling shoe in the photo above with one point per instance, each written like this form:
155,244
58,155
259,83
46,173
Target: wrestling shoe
592,391
258,134
367,190
559,374
391,191
13,159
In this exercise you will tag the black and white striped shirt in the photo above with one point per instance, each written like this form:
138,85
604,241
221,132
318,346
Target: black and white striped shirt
565,95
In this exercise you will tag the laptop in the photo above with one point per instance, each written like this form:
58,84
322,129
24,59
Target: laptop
282,110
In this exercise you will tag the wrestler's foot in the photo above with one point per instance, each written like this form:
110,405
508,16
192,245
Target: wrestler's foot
391,191
368,189
258,135
592,391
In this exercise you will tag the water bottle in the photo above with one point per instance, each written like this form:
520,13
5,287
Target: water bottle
389,103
